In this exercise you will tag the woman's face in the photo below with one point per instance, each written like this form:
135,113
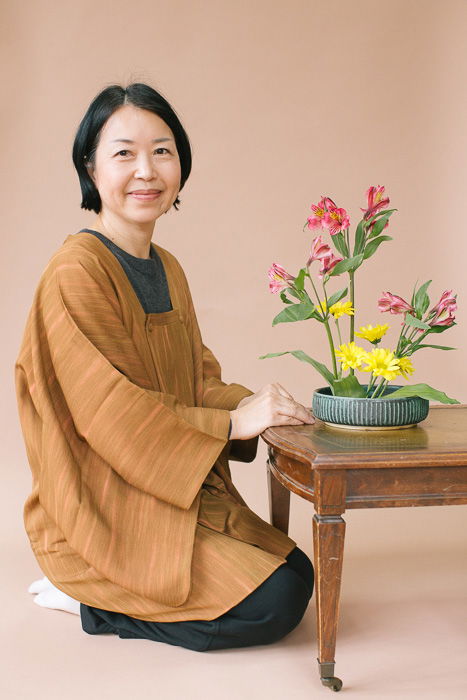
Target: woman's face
136,168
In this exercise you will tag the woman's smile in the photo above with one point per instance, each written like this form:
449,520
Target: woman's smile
145,195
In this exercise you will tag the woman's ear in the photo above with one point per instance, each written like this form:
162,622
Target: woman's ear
90,168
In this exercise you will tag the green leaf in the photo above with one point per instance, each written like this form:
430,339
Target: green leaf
359,238
438,347
300,279
381,219
381,213
283,296
293,293
339,242
337,296
441,329
348,386
296,312
379,226
415,322
412,301
348,265
421,300
422,390
303,357
273,354
373,245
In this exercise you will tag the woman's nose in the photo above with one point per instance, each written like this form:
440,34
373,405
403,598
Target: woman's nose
145,168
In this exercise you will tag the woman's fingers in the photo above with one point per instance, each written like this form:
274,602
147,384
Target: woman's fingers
293,421
283,392
293,409
267,408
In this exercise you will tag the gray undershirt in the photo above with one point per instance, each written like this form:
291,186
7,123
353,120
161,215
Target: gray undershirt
146,275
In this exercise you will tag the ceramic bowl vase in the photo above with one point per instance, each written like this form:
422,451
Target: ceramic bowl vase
369,414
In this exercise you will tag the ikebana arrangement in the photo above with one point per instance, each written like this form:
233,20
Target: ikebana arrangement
420,318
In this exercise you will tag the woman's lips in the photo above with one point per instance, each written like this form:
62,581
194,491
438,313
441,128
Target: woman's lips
145,195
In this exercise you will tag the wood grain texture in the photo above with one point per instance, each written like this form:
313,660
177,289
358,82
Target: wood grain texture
328,545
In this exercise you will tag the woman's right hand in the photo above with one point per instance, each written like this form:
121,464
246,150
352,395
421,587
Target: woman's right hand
272,405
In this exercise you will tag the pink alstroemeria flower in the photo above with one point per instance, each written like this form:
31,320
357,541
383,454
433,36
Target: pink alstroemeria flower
336,219
376,201
443,311
328,262
394,304
448,321
319,250
447,304
278,278
319,210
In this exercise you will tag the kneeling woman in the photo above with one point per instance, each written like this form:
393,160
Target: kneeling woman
128,425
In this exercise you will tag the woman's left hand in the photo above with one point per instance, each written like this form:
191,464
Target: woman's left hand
276,386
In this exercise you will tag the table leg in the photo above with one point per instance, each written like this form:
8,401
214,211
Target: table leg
328,545
279,503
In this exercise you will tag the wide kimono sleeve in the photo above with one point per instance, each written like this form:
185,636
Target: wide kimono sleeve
154,442
215,392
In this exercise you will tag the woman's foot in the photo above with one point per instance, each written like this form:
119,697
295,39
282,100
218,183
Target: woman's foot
48,596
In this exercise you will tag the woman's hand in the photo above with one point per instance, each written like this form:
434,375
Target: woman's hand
271,405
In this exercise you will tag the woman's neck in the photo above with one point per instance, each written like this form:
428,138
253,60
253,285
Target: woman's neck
134,238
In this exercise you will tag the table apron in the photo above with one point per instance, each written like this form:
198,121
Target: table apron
336,490
417,486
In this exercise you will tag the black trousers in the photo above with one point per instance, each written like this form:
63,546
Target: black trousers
266,615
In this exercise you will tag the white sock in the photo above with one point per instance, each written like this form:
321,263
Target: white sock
40,585
48,596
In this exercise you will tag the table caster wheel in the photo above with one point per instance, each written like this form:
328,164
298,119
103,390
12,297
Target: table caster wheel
332,682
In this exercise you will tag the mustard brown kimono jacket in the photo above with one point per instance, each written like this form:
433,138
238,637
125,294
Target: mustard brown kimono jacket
125,420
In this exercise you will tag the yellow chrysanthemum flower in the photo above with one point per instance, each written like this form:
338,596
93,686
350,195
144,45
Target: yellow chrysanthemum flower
405,366
322,307
351,355
382,363
340,308
372,333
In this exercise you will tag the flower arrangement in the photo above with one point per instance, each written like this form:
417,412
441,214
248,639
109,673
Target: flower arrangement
420,319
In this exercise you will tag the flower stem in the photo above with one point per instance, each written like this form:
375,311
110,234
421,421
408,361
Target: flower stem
338,332
413,346
370,385
352,317
340,343
402,335
317,297
331,345
352,301
325,298
380,389
326,325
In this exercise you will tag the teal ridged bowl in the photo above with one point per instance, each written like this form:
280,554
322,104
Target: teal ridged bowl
369,414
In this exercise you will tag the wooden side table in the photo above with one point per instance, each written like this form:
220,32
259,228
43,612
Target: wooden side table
336,469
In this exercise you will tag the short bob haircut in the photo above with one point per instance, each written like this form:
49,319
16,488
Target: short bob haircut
99,111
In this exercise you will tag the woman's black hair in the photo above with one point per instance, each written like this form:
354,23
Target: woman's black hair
99,111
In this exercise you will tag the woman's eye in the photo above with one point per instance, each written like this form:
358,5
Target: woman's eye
161,151
123,152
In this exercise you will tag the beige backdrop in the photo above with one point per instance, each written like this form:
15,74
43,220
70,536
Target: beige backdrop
283,102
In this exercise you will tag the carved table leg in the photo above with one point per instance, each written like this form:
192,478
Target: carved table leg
328,544
279,503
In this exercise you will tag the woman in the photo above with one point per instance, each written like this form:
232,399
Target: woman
128,425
